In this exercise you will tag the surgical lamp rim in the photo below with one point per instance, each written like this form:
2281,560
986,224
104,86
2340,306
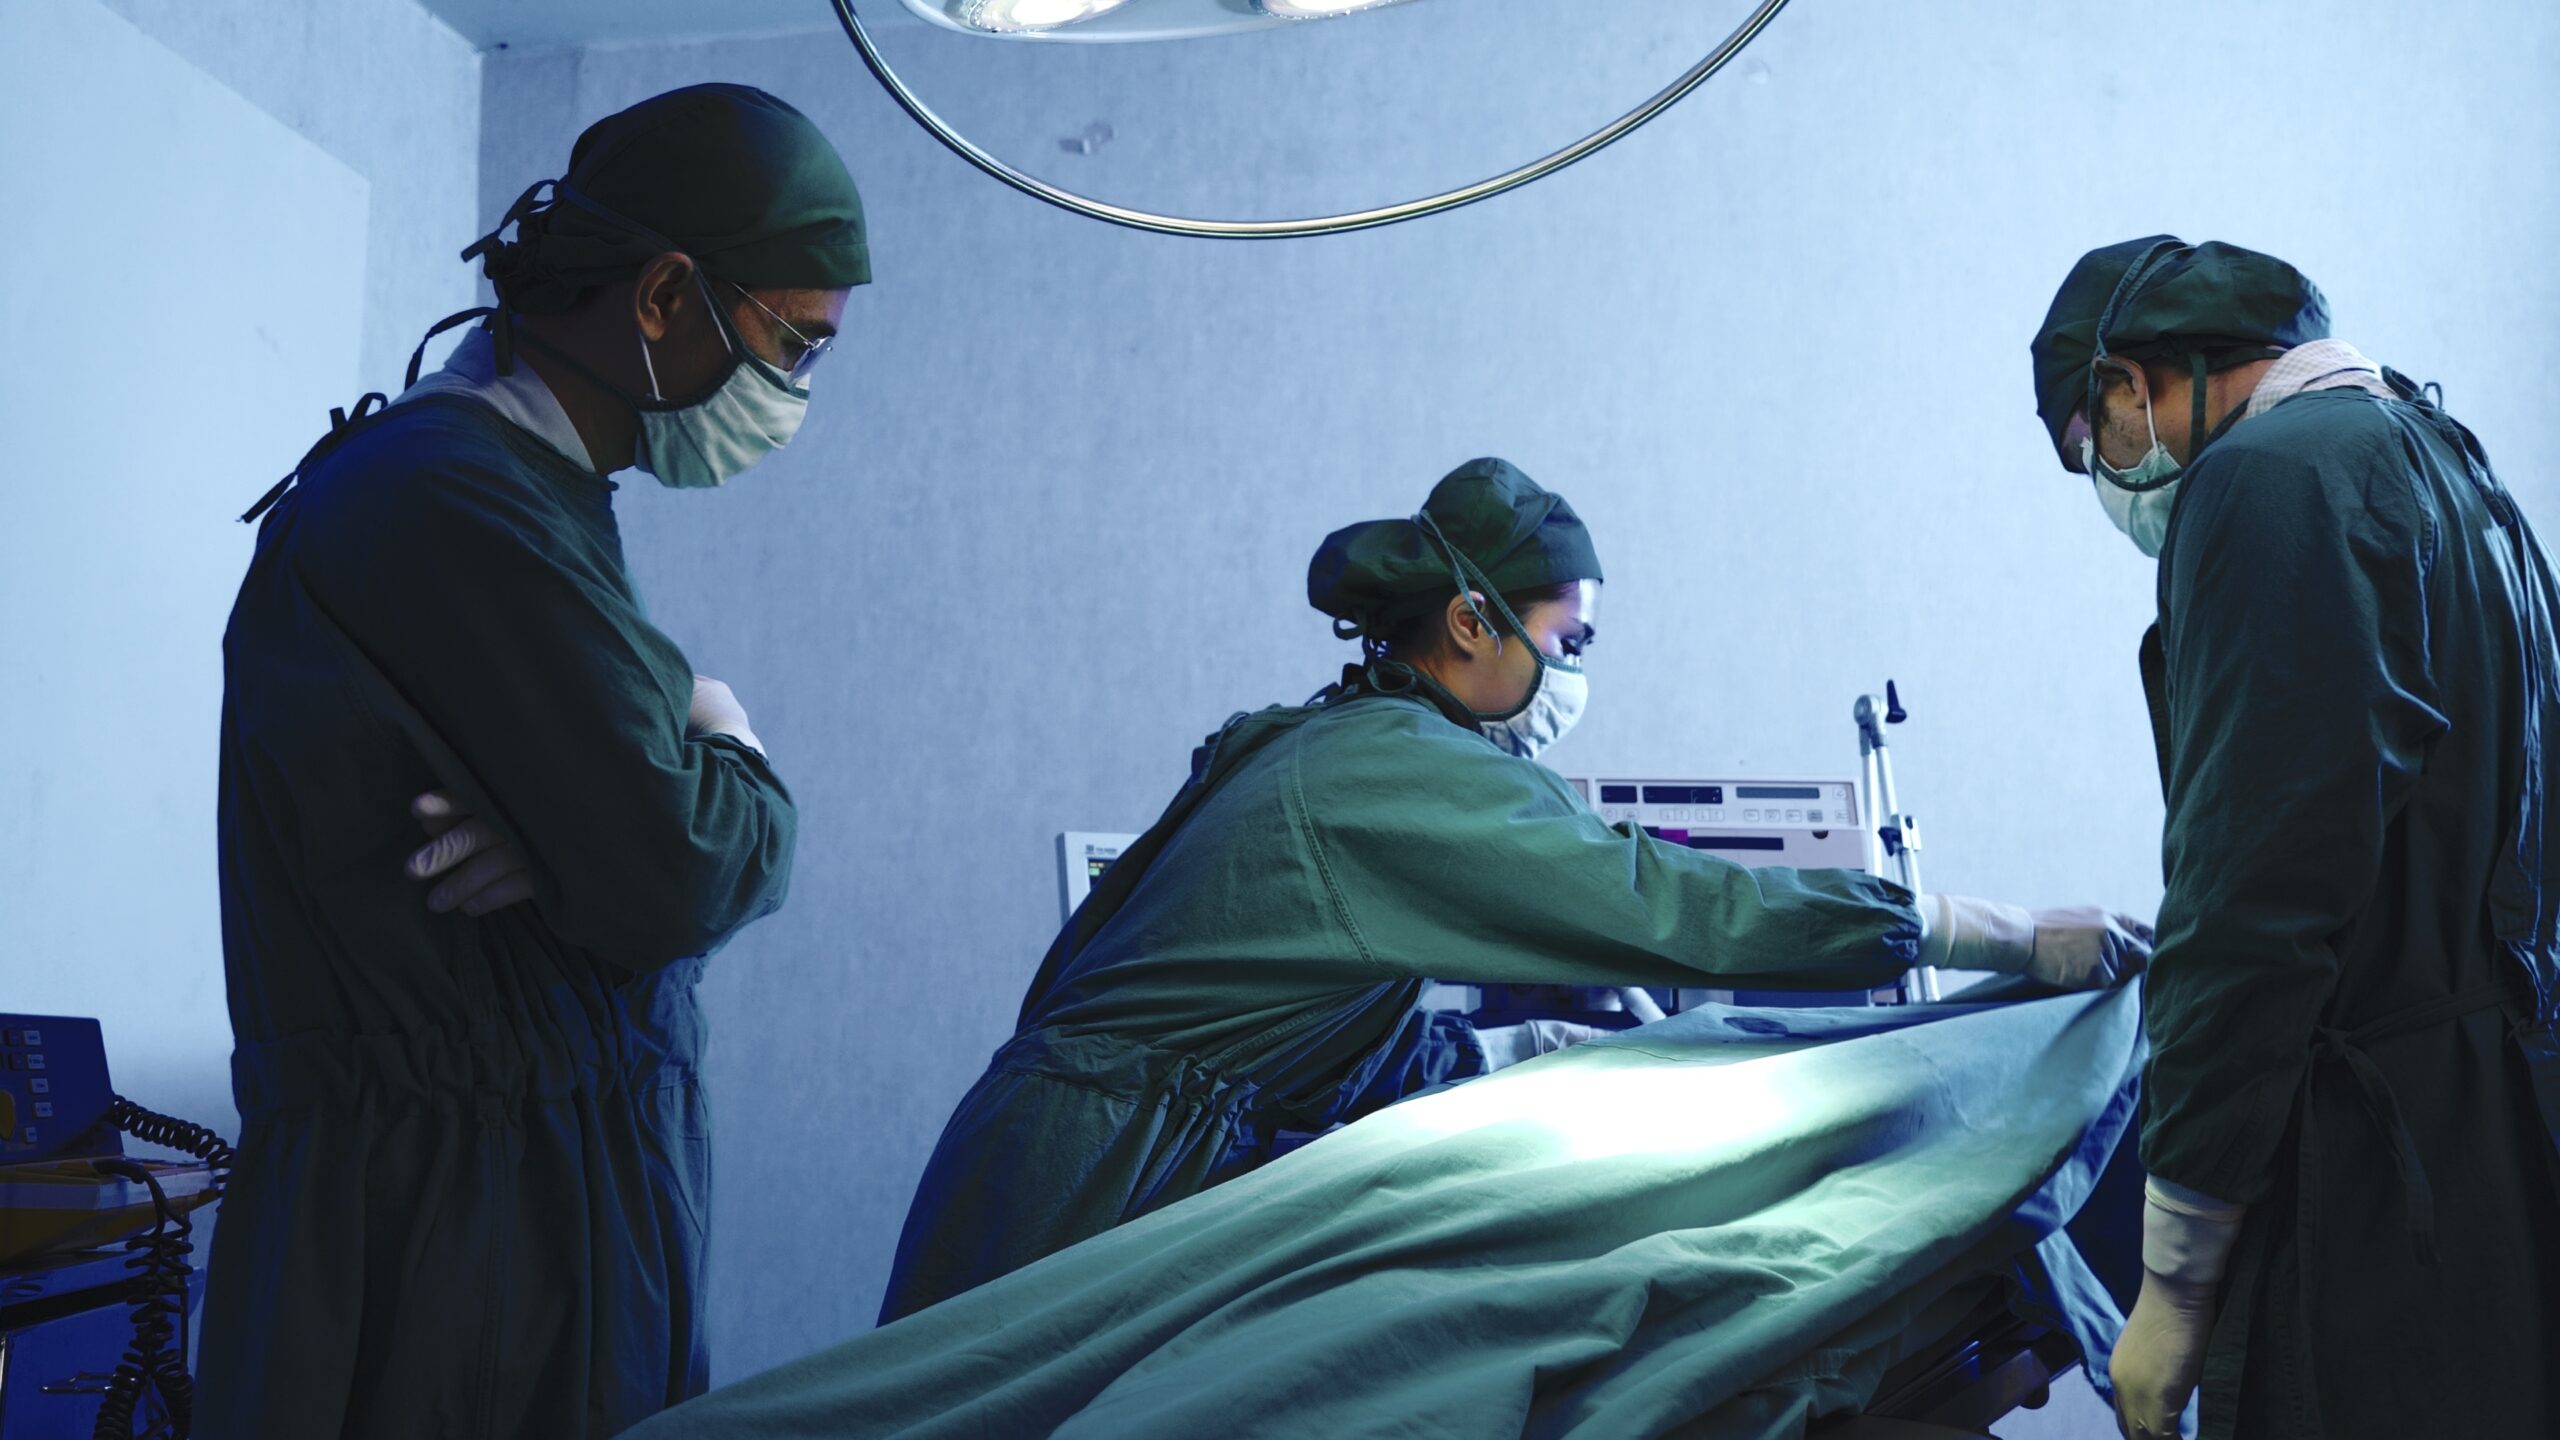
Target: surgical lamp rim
1342,224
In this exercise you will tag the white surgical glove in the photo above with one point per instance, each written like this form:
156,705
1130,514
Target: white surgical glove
2159,1360
716,711
481,869
1506,1045
2078,947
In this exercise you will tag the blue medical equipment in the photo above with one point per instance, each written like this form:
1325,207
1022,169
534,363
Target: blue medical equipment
96,1270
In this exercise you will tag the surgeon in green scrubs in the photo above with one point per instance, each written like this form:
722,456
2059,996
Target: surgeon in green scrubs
481,822
2353,1227
1249,969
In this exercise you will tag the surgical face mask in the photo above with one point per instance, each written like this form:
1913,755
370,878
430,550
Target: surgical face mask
1557,697
2139,499
755,412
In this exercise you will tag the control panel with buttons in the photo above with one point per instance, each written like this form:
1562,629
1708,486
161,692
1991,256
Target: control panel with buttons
1809,824
1805,824
54,1094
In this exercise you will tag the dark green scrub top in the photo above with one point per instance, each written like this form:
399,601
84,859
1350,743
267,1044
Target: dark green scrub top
1251,966
474,1169
2361,701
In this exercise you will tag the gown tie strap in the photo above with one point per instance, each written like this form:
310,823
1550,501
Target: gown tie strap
340,422
2382,1105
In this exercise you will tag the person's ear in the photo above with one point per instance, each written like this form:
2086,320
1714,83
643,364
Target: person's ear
1468,634
664,291
2130,381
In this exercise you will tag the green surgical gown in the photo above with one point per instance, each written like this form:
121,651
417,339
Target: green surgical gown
1250,968
2360,699
474,1165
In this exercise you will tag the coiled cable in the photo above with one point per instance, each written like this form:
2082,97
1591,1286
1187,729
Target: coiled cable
155,1364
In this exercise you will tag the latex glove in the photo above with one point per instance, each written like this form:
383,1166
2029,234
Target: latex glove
482,870
716,711
2187,1237
2160,1358
2080,947
1506,1045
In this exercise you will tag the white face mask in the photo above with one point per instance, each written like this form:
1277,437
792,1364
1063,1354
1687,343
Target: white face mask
755,412
2143,515
2139,500
1556,701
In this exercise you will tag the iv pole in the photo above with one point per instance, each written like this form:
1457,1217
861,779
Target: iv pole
1895,834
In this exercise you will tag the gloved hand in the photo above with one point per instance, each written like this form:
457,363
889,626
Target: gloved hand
482,869
2079,947
2082,947
2186,1241
2160,1358
1506,1045
716,711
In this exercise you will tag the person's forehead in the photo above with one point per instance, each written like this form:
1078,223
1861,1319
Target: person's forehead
1584,604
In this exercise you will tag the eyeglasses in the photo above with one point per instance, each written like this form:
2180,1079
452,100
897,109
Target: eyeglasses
811,351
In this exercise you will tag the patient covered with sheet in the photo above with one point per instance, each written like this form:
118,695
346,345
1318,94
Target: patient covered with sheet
1727,1223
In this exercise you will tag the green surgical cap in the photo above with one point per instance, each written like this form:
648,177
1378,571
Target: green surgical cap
730,175
1516,535
2191,299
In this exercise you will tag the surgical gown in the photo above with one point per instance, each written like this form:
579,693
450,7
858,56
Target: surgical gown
474,1168
1251,966
2361,699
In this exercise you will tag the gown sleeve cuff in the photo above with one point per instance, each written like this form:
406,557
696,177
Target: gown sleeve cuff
745,744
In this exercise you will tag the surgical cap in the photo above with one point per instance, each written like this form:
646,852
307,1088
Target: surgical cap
2192,299
732,176
1516,536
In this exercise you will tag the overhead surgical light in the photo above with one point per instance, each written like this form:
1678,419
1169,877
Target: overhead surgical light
1024,17
1317,9
1105,20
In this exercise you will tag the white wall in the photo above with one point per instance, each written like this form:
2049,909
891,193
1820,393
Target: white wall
137,386
1049,521
225,220
394,95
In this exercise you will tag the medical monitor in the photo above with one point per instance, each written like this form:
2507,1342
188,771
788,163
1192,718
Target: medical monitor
1082,857
1805,824
1816,824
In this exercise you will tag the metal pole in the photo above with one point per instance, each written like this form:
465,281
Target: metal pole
1896,836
